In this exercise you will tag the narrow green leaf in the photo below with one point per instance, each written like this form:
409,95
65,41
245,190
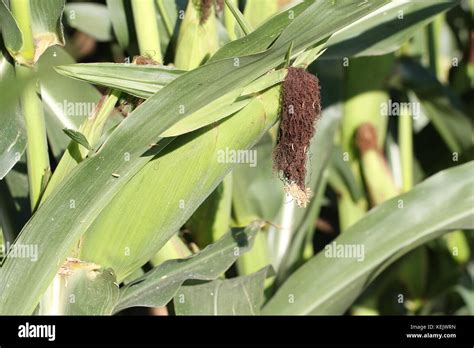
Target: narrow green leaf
260,39
78,137
136,79
342,177
15,199
386,29
264,82
139,80
239,17
213,112
439,103
288,55
467,294
157,287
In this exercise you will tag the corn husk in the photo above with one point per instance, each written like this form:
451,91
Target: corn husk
163,195
197,40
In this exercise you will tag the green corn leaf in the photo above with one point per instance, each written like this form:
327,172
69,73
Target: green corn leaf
236,296
413,272
77,137
90,18
467,294
157,287
13,133
344,278
15,200
213,112
239,18
136,82
264,82
439,103
342,177
386,29
262,38
139,80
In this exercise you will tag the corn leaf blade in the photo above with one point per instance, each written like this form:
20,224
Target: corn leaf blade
236,296
13,133
157,287
343,279
139,80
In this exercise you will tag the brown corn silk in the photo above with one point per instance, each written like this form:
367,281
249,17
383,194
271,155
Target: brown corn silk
205,7
300,109
366,138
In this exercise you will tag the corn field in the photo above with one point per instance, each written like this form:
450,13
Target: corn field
228,157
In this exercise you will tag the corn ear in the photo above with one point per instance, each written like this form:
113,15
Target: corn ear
377,175
368,95
257,11
144,17
198,40
458,246
212,219
230,23
166,192
175,248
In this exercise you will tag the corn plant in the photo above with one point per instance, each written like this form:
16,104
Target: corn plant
184,154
